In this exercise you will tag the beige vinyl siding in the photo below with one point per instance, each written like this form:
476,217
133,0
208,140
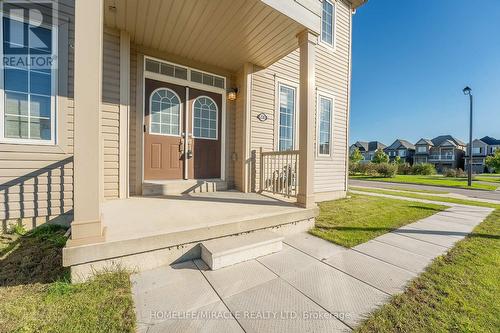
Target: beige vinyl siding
263,100
332,76
110,112
36,182
332,68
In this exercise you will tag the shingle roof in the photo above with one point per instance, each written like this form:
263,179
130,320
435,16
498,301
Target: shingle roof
400,142
490,141
439,140
374,145
429,142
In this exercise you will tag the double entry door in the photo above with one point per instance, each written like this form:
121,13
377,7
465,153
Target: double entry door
182,138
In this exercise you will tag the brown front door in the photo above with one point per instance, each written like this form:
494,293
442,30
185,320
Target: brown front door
205,113
163,118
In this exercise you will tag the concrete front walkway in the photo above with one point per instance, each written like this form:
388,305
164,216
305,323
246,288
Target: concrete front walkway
310,286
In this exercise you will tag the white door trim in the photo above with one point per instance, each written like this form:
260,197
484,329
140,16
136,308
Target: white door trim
187,84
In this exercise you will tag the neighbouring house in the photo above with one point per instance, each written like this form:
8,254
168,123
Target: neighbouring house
481,148
367,149
145,104
444,152
402,148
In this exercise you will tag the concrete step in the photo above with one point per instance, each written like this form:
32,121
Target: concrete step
176,187
222,252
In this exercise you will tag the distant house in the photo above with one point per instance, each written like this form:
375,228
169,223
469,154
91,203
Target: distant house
444,151
401,148
367,149
481,148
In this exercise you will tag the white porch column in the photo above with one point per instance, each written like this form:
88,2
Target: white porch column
124,112
88,157
307,88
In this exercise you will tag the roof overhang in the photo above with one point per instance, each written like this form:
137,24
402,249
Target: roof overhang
223,34
357,3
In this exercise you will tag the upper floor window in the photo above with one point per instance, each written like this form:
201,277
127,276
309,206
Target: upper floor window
421,149
27,114
402,153
286,102
328,23
325,113
476,150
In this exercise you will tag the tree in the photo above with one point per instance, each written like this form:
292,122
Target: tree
356,156
398,160
380,157
493,162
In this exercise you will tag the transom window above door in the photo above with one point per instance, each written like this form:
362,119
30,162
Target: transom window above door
205,118
165,112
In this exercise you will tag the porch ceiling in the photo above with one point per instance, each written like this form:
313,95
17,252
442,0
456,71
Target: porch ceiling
222,33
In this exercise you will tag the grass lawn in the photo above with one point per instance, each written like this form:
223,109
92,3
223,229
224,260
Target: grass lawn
487,179
36,295
427,197
409,189
355,220
429,180
457,293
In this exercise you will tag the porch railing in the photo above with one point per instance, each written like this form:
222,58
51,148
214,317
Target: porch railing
279,172
442,157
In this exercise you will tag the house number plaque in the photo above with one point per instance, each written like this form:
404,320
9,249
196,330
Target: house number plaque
262,116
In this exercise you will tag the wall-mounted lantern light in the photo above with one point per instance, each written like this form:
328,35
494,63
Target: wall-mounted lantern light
231,95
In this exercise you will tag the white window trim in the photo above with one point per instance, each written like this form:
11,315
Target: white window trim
323,94
295,87
332,46
216,119
182,82
142,75
181,108
53,98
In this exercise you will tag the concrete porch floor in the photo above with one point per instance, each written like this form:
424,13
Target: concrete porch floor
148,216
146,232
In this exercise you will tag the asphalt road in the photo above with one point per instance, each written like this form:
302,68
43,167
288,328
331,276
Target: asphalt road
492,195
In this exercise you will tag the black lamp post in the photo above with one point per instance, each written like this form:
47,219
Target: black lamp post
468,91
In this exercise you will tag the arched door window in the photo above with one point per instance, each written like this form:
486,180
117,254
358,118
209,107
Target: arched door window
165,112
205,113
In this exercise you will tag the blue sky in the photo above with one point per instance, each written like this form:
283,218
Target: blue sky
411,59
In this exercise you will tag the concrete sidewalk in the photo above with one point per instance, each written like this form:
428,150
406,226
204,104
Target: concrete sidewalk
481,194
310,286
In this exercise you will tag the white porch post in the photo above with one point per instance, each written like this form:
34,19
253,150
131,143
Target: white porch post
307,88
88,157
124,112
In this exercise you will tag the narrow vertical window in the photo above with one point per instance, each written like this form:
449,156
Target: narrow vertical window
286,117
325,111
28,88
328,22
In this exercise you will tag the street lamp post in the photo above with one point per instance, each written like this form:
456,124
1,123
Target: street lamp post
468,91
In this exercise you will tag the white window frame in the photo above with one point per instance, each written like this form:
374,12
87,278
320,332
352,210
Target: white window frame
325,95
216,119
334,23
421,149
53,97
181,108
295,87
